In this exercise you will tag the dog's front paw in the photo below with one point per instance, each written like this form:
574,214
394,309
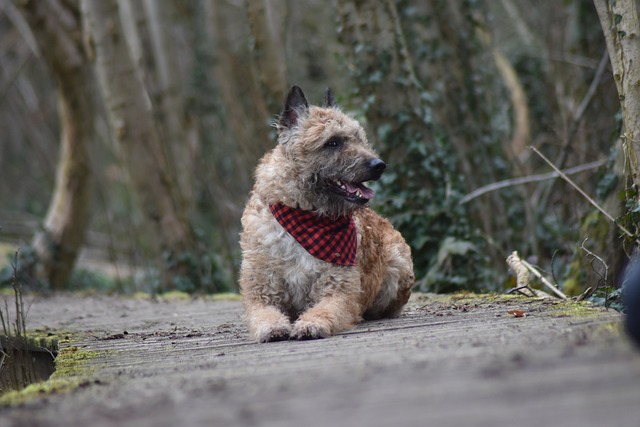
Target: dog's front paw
271,333
306,330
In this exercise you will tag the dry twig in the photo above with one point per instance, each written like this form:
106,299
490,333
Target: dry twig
527,179
602,278
519,266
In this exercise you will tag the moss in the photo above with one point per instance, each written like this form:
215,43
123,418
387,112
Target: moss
6,251
470,297
73,370
141,295
611,328
72,362
7,292
176,296
226,296
574,309
551,307
185,296
572,287
31,342
489,297
44,388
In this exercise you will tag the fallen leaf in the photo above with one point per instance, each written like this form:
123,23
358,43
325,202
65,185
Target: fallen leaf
517,313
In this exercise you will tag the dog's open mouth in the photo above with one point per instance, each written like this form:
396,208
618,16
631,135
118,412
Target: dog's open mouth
353,192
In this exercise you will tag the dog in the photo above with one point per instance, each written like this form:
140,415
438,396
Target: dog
316,259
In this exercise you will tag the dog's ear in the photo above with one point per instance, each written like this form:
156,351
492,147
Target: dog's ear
294,105
328,101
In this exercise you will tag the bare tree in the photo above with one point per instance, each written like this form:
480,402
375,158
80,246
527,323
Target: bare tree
57,29
167,97
131,120
619,20
268,51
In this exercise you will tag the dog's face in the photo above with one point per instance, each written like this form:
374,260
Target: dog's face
329,154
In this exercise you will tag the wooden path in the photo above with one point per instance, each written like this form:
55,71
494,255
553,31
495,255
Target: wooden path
448,361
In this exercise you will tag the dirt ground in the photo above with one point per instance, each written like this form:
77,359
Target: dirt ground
448,361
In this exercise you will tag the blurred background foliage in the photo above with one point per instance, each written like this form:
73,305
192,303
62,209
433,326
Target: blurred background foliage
452,94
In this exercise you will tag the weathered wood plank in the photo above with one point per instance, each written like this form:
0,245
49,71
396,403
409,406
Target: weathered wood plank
448,361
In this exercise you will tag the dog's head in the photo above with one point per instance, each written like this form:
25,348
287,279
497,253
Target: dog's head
328,154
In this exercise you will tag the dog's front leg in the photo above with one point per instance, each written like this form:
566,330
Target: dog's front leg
266,323
330,315
337,307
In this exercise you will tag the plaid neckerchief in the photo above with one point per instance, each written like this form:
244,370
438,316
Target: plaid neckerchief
329,240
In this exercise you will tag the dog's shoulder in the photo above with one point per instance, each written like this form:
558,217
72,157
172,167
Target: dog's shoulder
377,233
367,218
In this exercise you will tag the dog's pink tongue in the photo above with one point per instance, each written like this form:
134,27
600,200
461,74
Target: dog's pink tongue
365,192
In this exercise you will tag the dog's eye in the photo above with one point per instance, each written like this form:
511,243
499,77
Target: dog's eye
334,142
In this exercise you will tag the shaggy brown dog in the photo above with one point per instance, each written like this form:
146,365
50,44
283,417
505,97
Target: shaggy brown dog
316,259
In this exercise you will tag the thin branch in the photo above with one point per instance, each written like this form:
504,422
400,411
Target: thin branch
531,292
3,355
585,195
575,123
6,326
582,108
586,294
543,280
553,272
519,290
527,179
602,65
17,290
602,278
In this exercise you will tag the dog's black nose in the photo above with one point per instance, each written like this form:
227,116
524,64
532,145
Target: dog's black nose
377,165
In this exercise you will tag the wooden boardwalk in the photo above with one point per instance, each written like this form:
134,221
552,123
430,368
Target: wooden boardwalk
448,361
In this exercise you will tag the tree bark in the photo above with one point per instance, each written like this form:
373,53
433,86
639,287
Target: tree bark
57,30
268,52
621,28
135,27
244,105
174,138
132,125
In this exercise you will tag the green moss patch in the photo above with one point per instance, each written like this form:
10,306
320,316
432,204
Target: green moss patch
73,370
551,307
226,296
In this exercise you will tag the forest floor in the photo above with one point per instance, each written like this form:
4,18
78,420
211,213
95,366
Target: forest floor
461,360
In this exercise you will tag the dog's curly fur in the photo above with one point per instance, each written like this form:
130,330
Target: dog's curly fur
287,293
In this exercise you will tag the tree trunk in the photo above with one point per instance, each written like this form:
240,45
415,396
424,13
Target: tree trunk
268,52
57,30
132,125
619,20
171,118
245,109
135,27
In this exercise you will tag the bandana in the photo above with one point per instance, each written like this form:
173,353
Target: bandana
329,240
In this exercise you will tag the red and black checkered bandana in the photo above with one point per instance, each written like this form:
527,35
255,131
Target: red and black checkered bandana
332,241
